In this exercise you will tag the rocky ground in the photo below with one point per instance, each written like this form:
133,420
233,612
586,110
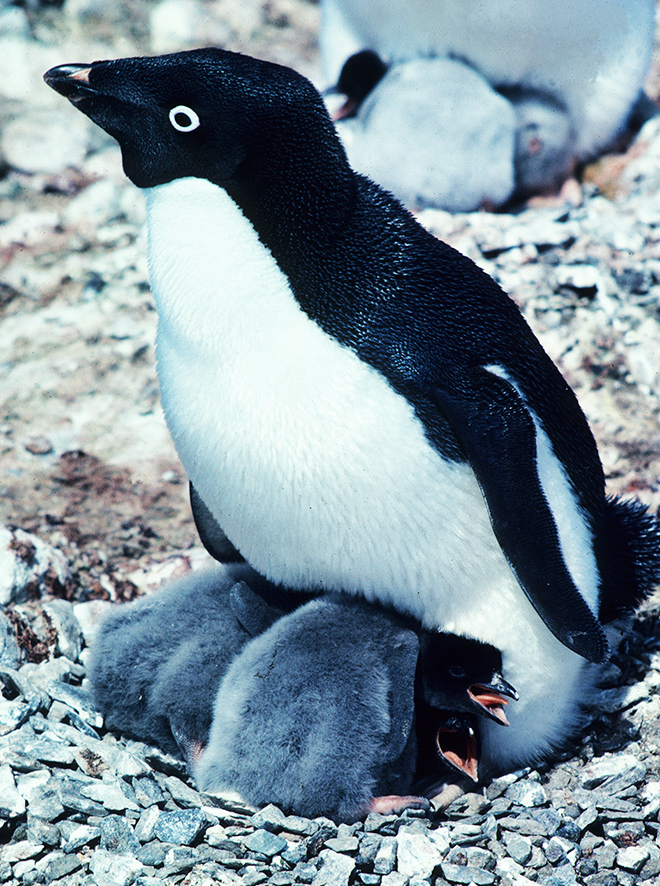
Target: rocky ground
94,503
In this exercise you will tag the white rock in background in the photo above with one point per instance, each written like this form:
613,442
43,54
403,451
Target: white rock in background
26,561
176,25
45,140
14,21
69,634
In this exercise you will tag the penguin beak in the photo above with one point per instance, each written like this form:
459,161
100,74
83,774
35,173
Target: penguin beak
71,81
456,742
490,698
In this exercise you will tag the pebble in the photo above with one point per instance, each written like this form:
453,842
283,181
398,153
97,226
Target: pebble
182,826
27,562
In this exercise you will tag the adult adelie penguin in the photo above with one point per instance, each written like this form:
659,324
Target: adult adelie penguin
358,405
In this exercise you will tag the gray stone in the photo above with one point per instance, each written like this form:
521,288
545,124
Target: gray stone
295,824
59,864
183,794
369,845
109,869
615,772
518,847
385,859
117,836
152,854
69,636
271,818
417,855
395,878
75,835
459,873
39,831
12,804
342,844
182,826
45,140
295,853
26,561
335,869
527,793
10,653
110,795
145,829
21,850
632,858
265,843
147,792
606,854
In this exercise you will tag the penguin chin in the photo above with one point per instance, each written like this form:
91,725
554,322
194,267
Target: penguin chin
456,745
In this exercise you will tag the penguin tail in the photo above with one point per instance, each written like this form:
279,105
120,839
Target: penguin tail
632,555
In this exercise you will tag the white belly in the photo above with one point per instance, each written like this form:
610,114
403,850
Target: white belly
315,468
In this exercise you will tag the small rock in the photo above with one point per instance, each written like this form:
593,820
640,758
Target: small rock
10,653
632,858
12,804
38,446
458,873
395,878
117,836
335,869
45,140
75,835
385,856
58,865
20,851
181,827
527,793
417,855
109,869
518,847
26,563
615,772
342,844
265,843
69,636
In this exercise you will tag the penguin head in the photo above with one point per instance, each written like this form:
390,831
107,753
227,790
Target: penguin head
204,113
463,675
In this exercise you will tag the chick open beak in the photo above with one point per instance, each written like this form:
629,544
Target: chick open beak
456,742
490,698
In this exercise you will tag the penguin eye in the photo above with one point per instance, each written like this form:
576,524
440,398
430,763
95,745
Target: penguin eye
456,671
183,119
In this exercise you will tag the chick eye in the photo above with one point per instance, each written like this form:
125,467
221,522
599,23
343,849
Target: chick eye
183,119
456,671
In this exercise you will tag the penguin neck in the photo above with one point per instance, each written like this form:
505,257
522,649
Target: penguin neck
298,196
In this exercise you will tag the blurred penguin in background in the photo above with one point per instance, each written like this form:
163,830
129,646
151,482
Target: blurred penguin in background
572,72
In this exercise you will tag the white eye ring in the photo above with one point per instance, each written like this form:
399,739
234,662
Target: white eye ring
191,120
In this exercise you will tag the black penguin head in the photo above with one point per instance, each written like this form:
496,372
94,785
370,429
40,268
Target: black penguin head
359,75
463,675
203,113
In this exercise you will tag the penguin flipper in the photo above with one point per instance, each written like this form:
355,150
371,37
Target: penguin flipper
252,611
498,435
210,533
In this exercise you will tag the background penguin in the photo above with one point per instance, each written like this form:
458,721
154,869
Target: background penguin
359,407
317,714
157,662
593,55
435,133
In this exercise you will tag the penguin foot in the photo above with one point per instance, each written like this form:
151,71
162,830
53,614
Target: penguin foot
394,804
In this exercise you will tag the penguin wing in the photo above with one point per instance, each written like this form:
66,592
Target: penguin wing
252,611
210,533
498,435
401,665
